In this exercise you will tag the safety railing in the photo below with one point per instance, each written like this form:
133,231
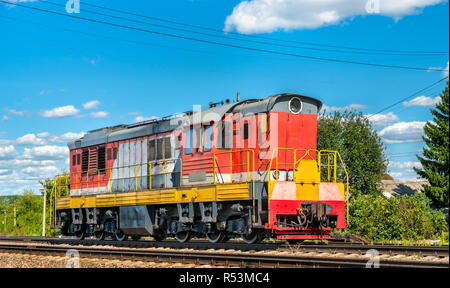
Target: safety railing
291,166
105,178
250,164
60,186
329,167
250,153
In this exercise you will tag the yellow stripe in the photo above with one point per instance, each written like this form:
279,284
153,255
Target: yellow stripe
201,193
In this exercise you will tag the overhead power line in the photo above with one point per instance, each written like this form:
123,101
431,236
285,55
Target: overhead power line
409,97
245,40
118,39
220,43
256,36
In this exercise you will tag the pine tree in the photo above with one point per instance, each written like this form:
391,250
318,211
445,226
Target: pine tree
435,166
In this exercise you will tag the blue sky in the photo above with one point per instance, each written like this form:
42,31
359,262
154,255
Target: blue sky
60,77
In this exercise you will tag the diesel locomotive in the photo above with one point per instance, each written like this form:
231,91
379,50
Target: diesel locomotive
247,169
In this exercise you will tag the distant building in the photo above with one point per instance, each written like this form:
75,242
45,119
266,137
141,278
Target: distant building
401,187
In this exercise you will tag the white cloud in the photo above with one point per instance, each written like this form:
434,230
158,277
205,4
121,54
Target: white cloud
66,137
46,152
59,112
42,172
5,118
5,172
18,163
43,135
349,107
403,132
91,104
15,112
444,72
44,92
423,101
265,16
99,114
379,120
405,165
17,1
30,139
142,118
7,152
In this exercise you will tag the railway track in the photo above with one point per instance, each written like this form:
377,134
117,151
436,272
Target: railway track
242,259
341,247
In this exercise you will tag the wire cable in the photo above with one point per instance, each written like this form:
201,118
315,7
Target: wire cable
254,36
222,44
244,40
406,98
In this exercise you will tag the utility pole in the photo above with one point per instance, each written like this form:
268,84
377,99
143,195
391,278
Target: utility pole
45,203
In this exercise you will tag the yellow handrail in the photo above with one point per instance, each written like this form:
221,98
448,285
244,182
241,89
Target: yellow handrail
88,183
320,154
247,151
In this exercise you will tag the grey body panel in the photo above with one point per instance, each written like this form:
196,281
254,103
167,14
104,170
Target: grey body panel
278,103
135,220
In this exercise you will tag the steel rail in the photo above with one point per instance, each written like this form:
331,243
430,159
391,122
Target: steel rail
349,248
227,259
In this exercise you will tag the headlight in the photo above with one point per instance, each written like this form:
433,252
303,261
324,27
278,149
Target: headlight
295,105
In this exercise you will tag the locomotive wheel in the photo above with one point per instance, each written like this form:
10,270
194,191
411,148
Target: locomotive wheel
251,238
183,237
120,236
215,237
159,237
81,233
99,235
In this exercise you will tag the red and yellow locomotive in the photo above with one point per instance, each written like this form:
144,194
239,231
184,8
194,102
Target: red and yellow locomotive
248,169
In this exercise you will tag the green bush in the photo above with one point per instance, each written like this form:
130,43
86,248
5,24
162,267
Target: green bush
397,218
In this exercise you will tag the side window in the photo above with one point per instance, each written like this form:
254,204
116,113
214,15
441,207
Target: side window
78,159
114,153
109,154
85,160
225,135
246,130
159,149
167,148
189,141
208,138
101,159
151,150
74,160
